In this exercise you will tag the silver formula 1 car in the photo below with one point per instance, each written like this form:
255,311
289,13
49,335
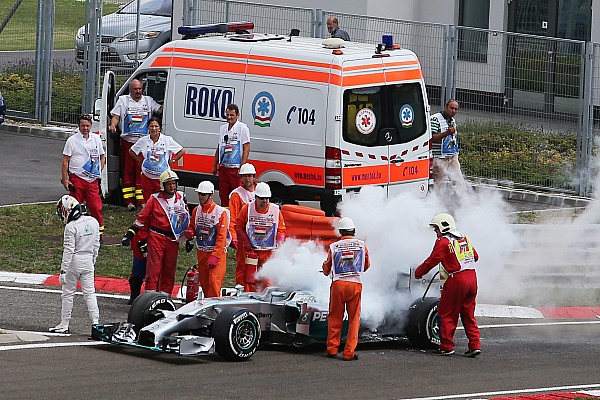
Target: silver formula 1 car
234,324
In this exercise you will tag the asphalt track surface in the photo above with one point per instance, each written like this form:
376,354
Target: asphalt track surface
518,355
30,169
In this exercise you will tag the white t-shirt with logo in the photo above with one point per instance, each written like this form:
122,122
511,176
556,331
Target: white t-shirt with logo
85,155
134,116
231,144
156,154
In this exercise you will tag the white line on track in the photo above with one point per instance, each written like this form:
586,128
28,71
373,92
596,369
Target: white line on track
483,395
44,290
108,295
593,322
49,345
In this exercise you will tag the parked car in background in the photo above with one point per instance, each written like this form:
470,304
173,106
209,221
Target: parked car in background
118,33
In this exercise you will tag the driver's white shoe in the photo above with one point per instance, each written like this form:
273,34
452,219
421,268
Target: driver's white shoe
63,327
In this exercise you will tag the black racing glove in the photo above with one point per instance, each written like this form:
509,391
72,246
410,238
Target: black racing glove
189,245
126,241
143,245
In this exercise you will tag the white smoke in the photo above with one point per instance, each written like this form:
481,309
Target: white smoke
297,266
397,233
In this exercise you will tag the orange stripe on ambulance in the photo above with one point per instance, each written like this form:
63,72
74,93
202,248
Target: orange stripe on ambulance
326,118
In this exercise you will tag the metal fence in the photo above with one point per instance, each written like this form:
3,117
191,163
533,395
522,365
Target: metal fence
529,104
526,101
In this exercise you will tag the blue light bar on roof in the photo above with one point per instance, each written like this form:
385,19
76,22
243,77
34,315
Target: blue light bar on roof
215,28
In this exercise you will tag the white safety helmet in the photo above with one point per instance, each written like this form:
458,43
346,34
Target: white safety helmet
444,222
262,190
68,209
206,187
167,176
345,224
247,169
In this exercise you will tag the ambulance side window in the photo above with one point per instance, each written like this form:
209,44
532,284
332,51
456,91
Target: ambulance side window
356,100
155,84
408,111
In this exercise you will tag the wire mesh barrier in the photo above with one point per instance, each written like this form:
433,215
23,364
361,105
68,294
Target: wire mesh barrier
424,39
529,105
521,97
17,57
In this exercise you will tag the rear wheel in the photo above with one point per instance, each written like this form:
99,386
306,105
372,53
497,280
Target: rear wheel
146,309
237,333
423,328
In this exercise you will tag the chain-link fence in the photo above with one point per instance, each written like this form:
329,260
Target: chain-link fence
529,104
522,100
46,41
17,56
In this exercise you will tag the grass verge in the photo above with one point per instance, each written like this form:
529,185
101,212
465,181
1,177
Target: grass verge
20,32
31,239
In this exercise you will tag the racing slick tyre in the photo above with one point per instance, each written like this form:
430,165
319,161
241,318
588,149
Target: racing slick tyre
422,327
237,333
144,309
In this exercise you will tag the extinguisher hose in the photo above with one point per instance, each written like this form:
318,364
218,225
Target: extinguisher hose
429,285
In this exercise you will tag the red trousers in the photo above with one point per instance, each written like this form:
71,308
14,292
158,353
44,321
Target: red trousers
343,295
263,256
90,193
211,279
228,180
131,185
161,263
149,186
458,299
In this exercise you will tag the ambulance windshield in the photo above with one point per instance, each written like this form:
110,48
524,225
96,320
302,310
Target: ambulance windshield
384,115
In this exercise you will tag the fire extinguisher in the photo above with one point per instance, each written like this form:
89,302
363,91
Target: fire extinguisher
251,267
192,284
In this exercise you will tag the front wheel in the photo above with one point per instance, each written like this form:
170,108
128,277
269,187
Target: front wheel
237,333
422,327
146,309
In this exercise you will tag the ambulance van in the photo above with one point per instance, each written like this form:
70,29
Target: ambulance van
326,117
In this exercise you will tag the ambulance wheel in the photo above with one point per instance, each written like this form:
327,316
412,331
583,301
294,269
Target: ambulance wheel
237,334
423,328
329,205
280,194
146,309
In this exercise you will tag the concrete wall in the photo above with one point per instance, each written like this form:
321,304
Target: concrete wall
595,21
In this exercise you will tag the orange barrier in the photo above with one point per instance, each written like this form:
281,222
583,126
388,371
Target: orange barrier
303,210
306,223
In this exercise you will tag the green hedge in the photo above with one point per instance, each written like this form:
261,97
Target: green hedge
511,153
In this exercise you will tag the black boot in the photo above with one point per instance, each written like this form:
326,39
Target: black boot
135,285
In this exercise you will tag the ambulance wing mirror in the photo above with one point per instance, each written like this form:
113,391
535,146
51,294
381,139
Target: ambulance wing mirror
97,109
294,32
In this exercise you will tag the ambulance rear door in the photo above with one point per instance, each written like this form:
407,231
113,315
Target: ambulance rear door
408,132
384,130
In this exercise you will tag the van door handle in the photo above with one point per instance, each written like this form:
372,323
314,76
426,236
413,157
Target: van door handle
396,161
